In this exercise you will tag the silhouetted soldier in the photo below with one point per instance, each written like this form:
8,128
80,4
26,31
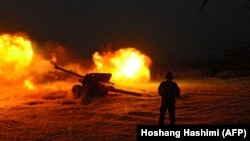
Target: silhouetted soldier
168,90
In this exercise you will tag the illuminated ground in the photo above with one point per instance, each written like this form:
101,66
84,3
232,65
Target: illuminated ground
52,115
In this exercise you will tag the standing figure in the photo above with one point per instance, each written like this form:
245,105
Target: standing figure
168,90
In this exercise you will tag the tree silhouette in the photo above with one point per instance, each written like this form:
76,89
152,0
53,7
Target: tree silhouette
203,5
242,7
236,53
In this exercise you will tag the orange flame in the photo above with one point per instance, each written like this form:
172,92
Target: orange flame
28,83
126,65
16,54
53,58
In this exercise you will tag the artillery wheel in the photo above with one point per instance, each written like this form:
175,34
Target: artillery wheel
77,90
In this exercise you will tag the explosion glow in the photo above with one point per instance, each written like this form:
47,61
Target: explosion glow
16,54
25,73
126,65
18,61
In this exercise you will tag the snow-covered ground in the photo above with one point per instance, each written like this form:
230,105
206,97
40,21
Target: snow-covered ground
49,113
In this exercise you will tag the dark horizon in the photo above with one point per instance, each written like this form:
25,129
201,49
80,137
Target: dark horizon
157,28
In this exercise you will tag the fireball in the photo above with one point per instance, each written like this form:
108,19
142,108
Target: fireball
126,65
16,54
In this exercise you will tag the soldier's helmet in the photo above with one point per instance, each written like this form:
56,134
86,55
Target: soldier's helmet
169,76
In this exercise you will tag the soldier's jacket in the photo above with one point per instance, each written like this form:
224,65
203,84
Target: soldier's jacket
169,90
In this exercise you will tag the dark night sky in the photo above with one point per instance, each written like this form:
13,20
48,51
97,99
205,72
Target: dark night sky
155,27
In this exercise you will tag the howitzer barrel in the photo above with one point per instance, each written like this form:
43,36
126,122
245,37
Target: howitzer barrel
68,71
126,92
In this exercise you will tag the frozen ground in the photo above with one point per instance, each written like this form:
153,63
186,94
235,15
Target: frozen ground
49,114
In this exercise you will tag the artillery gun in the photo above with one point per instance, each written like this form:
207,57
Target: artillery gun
94,85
